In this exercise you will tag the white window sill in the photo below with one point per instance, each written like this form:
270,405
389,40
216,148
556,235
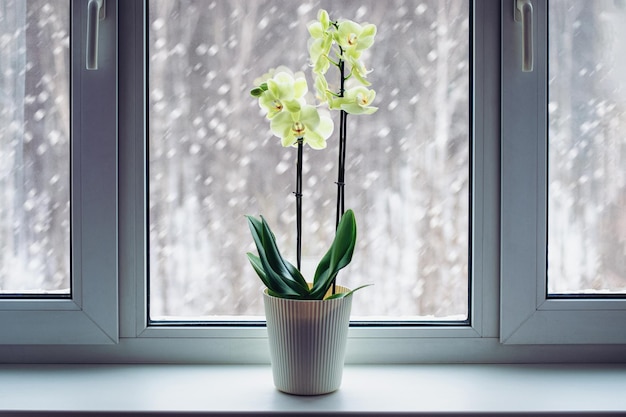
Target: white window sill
227,389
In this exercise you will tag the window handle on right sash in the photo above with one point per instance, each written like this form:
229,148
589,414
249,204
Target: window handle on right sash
95,13
523,13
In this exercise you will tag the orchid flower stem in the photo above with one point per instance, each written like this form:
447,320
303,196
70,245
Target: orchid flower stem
343,118
298,194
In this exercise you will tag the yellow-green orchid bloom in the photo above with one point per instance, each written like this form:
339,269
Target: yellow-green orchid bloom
356,100
271,104
318,52
287,87
320,42
283,91
322,93
308,124
354,38
358,70
319,28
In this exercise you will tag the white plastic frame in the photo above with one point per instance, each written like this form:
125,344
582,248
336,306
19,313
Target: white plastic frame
229,339
528,316
91,315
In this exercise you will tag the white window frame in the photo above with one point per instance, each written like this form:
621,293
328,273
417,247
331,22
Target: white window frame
248,343
91,314
486,340
528,315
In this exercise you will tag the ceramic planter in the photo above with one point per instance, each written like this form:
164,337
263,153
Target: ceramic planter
307,341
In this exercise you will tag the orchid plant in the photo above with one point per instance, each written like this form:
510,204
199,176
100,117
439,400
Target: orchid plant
283,96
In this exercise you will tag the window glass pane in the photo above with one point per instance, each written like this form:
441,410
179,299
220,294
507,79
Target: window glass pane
34,147
213,159
587,147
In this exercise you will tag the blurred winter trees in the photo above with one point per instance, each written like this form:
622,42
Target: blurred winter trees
34,146
587,147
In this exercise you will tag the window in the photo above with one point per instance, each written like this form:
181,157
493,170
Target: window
557,142
510,313
212,158
58,149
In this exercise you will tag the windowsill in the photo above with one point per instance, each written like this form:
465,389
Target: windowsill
227,389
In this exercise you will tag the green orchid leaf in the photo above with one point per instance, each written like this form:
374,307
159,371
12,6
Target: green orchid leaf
275,286
280,276
258,268
272,280
338,256
297,276
347,293
258,91
345,241
278,295
323,277
290,275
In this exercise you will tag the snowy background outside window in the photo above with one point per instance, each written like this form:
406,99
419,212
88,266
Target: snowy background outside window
212,158
34,146
587,147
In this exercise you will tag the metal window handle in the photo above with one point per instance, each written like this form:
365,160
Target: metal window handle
524,13
95,13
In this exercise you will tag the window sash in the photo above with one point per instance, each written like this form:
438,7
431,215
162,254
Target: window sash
528,315
90,316
133,258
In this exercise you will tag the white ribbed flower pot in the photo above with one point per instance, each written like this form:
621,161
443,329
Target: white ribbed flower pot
307,342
